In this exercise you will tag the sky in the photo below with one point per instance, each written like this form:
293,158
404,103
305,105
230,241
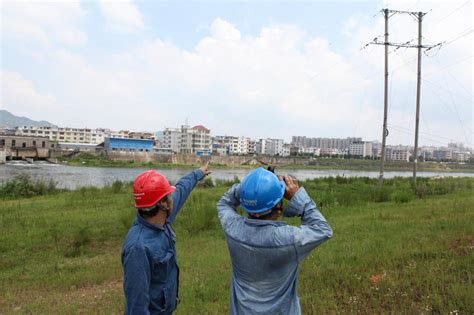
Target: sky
245,68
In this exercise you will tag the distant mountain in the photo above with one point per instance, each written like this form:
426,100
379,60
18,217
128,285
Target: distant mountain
8,120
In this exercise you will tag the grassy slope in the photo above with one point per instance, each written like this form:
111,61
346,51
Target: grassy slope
62,252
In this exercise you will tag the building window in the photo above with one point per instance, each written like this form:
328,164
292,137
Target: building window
43,144
13,143
34,143
2,142
52,145
23,145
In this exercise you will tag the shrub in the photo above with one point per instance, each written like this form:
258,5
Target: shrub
421,190
206,183
117,187
80,240
25,186
402,196
381,194
226,182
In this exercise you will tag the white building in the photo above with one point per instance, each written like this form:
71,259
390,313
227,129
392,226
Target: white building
270,147
68,135
172,139
310,150
399,153
361,148
286,150
239,146
195,140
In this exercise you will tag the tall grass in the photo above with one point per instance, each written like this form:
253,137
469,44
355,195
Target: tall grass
400,249
25,186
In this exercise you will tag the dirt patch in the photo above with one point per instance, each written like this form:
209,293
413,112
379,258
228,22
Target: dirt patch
80,299
462,246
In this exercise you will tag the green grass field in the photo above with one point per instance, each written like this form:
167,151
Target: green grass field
396,250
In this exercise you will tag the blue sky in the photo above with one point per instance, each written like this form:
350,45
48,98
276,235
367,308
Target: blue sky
258,69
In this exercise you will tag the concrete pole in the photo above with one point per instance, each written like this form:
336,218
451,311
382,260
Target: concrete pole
418,90
385,101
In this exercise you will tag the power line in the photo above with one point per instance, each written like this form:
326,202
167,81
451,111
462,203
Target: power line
448,66
411,132
424,132
449,14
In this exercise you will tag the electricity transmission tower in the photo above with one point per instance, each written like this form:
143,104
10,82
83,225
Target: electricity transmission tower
419,17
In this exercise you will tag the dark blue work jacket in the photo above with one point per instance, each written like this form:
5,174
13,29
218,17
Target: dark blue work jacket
151,273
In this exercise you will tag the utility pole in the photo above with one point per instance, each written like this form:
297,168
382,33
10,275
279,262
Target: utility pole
418,90
419,46
385,102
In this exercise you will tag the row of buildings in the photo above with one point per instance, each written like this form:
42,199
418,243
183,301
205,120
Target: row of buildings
198,140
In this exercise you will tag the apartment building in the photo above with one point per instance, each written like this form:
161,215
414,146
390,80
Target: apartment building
324,143
172,139
309,150
271,147
361,148
58,134
195,140
398,153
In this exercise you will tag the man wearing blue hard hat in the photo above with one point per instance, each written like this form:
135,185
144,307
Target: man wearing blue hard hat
266,253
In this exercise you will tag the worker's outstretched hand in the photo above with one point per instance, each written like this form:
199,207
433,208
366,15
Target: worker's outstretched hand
205,169
291,187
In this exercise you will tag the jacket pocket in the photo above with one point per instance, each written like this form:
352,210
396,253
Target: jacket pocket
159,302
162,268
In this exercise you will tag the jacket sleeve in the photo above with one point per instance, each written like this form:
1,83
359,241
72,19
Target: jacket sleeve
227,206
183,188
314,229
136,282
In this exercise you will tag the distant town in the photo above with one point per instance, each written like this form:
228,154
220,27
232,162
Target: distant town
43,142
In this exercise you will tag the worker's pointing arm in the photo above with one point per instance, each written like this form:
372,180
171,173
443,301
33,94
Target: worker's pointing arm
184,187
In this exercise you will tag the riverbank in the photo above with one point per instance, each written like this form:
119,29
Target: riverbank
395,250
90,160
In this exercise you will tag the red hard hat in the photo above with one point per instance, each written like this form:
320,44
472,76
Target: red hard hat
149,187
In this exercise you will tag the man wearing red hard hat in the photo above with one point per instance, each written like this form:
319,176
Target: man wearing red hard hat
151,273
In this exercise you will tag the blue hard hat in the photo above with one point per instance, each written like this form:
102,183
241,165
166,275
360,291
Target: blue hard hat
260,191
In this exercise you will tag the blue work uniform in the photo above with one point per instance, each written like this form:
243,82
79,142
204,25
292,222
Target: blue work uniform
266,254
151,272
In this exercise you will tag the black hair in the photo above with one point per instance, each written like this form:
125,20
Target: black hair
153,211
267,216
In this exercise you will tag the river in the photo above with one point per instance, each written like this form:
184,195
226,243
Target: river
72,177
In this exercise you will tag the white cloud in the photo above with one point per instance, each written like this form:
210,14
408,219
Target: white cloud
20,96
278,83
222,29
43,22
122,15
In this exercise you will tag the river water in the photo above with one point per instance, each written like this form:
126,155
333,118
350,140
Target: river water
73,177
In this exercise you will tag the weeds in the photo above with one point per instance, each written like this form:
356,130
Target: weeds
25,186
79,242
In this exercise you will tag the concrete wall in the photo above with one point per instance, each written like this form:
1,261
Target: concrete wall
139,157
3,156
189,159
31,153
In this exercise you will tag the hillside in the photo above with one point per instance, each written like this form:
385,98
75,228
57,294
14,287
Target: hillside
8,120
